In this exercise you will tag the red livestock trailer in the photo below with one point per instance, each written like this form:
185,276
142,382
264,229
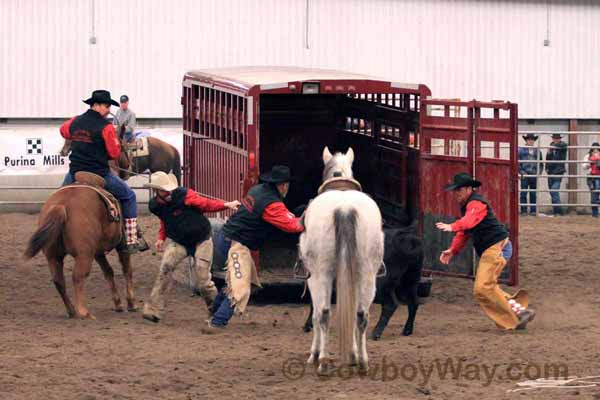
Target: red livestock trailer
241,121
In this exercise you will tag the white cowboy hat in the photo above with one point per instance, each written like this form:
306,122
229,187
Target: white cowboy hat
161,181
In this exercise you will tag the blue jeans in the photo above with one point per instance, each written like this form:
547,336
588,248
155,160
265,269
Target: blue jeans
507,251
554,185
594,184
119,189
528,183
223,311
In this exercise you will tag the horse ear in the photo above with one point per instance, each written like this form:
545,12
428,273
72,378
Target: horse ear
350,155
326,155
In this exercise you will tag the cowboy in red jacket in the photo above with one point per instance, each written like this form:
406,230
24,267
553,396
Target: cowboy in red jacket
184,231
491,242
94,142
262,211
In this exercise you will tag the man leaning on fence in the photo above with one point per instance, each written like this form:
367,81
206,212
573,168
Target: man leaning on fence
556,152
529,152
592,166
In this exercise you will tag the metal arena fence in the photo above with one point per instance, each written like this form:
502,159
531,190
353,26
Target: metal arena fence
573,181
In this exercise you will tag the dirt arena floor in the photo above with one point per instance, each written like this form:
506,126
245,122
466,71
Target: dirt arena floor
44,355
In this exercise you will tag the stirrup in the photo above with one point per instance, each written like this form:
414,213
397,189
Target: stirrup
299,264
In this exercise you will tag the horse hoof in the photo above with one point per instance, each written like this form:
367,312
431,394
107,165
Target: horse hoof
312,359
407,332
133,309
363,367
119,309
324,369
354,360
307,328
88,316
375,336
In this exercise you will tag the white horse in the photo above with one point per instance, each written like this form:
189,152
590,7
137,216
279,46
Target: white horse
343,240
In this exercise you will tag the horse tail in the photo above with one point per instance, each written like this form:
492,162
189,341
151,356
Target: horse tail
177,167
49,232
346,275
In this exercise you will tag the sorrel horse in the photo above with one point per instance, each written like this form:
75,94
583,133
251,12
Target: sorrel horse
343,241
75,221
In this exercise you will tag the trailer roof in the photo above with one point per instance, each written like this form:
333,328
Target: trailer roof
269,77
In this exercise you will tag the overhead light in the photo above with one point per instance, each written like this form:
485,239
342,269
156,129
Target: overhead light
310,88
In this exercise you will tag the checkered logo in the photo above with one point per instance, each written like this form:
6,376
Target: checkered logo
34,146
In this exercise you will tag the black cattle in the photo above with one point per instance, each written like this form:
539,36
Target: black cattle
403,259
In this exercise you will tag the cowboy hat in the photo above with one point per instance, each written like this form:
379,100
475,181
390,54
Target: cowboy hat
278,174
556,135
462,180
161,181
530,136
101,97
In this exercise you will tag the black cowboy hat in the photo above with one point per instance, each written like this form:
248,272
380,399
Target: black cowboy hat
462,180
278,174
530,136
556,135
101,97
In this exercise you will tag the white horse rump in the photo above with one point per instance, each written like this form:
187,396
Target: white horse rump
343,240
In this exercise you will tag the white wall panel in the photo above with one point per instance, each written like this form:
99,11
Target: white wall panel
460,49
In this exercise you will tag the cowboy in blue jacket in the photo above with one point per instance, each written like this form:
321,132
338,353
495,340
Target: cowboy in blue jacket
529,152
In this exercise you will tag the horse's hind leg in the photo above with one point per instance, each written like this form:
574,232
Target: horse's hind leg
109,275
366,296
320,286
83,265
58,277
125,260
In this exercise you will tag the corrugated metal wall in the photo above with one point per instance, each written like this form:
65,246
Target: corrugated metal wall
460,49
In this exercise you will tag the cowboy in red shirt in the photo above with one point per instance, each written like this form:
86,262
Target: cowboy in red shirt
261,211
491,242
184,231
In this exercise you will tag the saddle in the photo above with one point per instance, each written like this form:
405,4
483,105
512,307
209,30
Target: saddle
139,148
97,183
340,183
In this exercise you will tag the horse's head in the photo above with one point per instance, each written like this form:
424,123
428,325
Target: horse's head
122,165
338,165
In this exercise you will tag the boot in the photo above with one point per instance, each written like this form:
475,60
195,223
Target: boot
130,245
525,317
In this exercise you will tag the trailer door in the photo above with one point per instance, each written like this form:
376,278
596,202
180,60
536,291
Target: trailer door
215,142
446,143
496,165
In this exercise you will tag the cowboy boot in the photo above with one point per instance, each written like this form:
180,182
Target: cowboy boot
129,243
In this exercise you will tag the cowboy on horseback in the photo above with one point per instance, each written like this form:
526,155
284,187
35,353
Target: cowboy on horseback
246,230
94,142
184,231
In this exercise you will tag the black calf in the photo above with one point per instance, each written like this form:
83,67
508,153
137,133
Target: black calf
403,260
